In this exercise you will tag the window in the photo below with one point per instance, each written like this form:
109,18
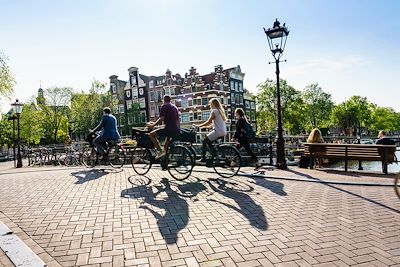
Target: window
135,92
232,98
128,93
241,99
169,81
143,116
133,81
221,86
128,104
169,91
237,99
205,115
240,87
191,116
157,114
253,105
253,116
152,111
236,87
195,116
247,104
152,96
185,117
121,108
113,88
232,86
185,103
204,101
142,103
199,115
130,120
190,103
151,83
121,121
225,101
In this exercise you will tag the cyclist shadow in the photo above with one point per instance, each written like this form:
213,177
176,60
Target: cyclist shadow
89,175
274,187
176,215
247,207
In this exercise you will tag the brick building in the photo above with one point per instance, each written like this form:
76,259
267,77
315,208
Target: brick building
140,98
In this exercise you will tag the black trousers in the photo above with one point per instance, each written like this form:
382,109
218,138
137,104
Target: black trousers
209,143
243,142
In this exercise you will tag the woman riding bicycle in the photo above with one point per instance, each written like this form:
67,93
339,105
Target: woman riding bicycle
216,121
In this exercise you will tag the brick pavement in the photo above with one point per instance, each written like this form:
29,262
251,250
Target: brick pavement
84,217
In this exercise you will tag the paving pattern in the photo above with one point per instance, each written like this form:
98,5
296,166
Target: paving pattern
106,217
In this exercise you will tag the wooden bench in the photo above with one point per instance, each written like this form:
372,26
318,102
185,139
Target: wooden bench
346,152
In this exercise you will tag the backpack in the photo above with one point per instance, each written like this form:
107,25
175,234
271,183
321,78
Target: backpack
250,133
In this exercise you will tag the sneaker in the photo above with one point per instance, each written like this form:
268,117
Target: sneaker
159,155
233,164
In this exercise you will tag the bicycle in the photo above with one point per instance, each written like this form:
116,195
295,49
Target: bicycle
116,154
178,161
397,184
225,159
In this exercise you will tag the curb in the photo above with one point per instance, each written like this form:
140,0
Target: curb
31,246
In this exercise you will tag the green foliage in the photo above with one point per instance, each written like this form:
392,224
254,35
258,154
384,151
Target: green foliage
7,80
293,108
318,106
31,124
384,119
6,132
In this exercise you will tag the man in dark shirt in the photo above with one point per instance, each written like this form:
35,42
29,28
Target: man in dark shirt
170,116
383,140
108,125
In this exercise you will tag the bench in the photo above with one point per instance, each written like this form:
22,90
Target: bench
346,152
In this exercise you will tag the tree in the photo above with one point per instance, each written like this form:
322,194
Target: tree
384,119
56,110
352,116
31,124
6,132
293,108
7,80
87,108
318,106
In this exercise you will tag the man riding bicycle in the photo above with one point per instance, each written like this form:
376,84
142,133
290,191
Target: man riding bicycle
108,125
169,114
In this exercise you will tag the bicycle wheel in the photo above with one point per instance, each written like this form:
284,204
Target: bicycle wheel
89,157
116,156
70,160
141,160
180,162
397,184
227,162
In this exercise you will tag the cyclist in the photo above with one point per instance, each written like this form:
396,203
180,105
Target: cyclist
108,125
169,114
216,121
241,136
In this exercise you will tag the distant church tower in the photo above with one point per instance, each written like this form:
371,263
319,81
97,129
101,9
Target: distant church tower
40,99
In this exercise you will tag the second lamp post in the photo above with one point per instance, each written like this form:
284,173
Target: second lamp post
17,107
277,41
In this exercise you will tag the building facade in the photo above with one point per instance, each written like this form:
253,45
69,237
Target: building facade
141,97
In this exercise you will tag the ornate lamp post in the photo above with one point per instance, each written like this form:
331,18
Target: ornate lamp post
277,41
17,108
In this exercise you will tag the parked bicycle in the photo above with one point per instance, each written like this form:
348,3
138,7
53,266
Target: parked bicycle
116,154
178,160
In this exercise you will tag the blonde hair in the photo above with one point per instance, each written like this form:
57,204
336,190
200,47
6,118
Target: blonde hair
315,136
217,105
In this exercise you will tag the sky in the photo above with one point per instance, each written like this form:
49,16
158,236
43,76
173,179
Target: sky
348,47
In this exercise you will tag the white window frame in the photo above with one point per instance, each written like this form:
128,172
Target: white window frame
142,102
121,109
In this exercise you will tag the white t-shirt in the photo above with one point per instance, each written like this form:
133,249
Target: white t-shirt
219,123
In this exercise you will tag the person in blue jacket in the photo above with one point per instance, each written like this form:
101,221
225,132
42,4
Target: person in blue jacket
109,131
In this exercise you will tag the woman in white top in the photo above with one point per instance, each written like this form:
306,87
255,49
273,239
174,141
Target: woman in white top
217,121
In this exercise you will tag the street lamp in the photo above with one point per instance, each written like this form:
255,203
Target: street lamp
277,41
17,108
70,125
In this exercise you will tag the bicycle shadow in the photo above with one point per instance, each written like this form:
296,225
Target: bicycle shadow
84,176
176,215
273,186
253,212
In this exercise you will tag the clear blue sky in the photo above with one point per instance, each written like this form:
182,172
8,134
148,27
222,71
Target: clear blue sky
348,47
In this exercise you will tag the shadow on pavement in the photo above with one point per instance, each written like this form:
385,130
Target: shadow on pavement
176,215
273,186
247,207
84,176
345,191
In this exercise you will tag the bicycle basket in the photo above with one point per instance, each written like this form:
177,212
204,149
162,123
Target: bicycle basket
89,138
187,135
142,140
